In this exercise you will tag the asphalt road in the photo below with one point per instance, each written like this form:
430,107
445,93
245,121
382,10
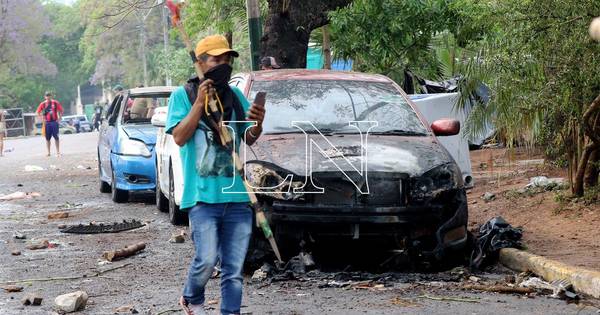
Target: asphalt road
152,281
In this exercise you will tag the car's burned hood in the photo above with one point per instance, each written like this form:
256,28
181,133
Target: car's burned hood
397,154
142,132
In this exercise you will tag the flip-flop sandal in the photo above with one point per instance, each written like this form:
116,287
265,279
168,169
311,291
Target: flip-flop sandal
184,306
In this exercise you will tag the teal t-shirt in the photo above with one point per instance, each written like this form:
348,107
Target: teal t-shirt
208,169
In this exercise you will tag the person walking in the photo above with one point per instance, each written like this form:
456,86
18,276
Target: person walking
220,223
50,111
2,131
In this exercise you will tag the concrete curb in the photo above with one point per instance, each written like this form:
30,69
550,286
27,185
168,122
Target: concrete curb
583,280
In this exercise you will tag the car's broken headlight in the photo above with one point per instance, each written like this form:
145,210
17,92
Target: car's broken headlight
134,147
272,183
441,178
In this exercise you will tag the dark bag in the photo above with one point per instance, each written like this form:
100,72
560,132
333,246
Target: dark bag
48,110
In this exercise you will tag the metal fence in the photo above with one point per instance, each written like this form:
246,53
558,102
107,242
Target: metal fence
15,123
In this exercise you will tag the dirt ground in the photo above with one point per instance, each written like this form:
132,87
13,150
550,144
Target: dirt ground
151,281
565,231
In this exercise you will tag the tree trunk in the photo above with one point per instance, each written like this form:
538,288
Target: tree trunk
288,26
591,176
589,128
229,36
326,48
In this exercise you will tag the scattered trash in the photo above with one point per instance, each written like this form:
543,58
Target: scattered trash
70,205
71,302
262,273
32,299
33,168
488,196
126,309
19,236
57,215
178,237
38,244
212,302
94,228
81,167
449,298
498,288
124,252
15,253
561,289
474,279
12,288
494,235
19,195
61,226
546,183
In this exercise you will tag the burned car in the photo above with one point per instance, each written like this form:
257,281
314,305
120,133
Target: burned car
347,155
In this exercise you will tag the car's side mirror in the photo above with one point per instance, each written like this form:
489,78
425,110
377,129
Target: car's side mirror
159,119
445,127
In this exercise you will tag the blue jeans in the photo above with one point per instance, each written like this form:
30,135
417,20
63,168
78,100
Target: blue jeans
219,231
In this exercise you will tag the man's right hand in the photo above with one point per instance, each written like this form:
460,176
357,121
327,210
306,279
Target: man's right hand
204,89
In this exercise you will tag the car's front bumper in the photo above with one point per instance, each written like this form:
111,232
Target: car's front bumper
134,173
432,227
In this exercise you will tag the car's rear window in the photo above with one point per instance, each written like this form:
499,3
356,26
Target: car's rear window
331,104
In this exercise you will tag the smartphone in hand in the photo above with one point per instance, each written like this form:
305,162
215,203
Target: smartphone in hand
260,99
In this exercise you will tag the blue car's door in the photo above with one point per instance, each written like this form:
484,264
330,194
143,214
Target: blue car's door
107,134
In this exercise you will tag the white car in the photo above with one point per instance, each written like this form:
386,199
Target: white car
169,175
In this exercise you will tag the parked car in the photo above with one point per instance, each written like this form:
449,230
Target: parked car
126,157
63,128
327,179
169,176
84,124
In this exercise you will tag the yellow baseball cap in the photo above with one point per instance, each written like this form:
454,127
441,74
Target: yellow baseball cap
214,45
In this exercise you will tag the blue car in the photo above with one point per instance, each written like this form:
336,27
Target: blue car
126,155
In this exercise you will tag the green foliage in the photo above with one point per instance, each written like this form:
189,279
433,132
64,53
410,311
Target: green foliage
387,36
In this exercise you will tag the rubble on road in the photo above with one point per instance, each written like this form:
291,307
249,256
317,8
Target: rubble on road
19,195
19,236
71,302
58,215
15,253
126,309
93,228
124,252
178,237
12,288
38,244
33,168
561,289
32,299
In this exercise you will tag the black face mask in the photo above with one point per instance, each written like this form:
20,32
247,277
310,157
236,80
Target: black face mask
220,75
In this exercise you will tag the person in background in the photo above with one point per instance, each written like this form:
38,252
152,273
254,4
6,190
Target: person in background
97,120
268,63
2,131
50,111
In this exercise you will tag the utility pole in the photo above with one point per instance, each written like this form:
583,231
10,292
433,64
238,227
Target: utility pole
165,22
142,21
255,31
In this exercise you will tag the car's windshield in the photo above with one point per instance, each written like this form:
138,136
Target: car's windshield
331,104
140,109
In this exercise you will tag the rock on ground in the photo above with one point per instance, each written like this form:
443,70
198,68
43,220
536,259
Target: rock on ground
71,302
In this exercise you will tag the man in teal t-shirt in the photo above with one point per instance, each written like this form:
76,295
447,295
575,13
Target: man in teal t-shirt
220,223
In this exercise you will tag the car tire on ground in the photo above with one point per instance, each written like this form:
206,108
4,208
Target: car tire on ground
104,186
162,203
118,195
176,216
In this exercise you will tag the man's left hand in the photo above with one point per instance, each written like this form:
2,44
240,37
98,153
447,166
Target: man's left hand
256,113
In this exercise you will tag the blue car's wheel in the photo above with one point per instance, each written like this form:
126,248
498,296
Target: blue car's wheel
118,195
